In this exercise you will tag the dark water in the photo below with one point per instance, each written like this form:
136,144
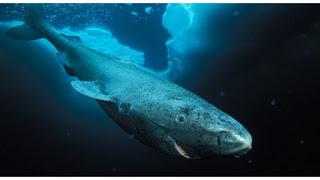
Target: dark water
260,64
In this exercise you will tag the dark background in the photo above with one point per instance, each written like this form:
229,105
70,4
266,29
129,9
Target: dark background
263,69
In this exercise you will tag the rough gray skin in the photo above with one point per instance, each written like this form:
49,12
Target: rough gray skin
156,111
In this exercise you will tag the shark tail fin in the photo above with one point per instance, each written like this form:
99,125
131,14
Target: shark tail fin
32,28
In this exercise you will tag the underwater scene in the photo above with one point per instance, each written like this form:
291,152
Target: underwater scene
127,89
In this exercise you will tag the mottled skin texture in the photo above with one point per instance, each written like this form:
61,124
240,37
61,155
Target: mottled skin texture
156,111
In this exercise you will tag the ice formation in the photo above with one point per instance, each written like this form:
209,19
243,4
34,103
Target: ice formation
185,23
97,38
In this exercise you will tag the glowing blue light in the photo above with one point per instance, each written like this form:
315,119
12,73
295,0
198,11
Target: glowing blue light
185,23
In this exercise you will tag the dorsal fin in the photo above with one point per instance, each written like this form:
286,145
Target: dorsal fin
71,38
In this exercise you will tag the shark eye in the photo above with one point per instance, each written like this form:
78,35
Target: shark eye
180,119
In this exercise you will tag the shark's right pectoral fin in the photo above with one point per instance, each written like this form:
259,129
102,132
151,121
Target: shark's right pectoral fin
92,89
23,32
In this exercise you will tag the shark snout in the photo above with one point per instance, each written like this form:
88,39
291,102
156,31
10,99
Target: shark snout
237,143
244,144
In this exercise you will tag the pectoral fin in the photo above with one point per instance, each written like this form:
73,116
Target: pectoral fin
92,89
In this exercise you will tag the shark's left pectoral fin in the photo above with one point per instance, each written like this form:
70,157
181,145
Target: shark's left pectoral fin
92,89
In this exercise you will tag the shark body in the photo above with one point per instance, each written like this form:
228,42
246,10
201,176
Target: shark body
154,110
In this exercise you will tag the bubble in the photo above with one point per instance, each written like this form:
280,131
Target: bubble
148,10
114,169
134,13
301,142
67,133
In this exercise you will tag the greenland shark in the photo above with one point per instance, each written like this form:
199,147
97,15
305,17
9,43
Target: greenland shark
156,111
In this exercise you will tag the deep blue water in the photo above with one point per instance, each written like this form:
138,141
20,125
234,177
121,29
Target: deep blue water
258,63
142,32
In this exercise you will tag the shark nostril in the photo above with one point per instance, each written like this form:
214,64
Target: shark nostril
218,140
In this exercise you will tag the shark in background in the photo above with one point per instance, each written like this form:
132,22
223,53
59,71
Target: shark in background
154,110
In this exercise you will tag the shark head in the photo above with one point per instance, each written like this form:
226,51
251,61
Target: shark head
200,130
226,136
